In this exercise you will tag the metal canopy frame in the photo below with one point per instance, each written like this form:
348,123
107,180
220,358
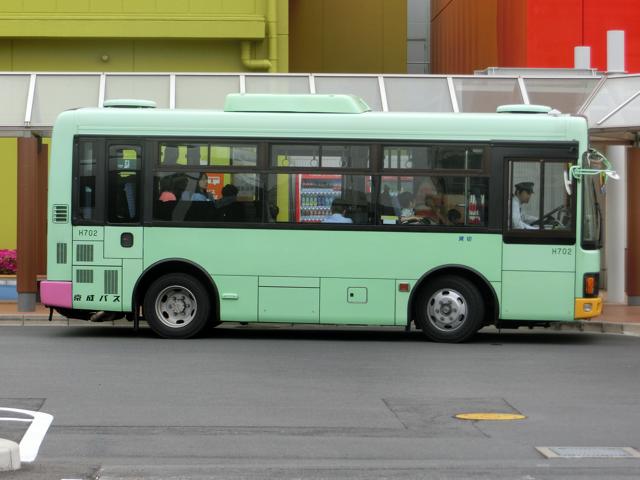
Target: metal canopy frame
32,100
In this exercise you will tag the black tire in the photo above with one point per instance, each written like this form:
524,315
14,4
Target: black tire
450,309
177,305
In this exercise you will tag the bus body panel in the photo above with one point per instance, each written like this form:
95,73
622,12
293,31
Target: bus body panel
543,295
542,258
288,305
538,278
357,301
330,262
587,261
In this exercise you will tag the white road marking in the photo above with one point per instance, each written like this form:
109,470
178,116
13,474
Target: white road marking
32,439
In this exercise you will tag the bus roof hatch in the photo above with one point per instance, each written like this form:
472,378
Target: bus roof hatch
524,108
309,103
129,103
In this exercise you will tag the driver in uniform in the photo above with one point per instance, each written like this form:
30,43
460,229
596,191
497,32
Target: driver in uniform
519,219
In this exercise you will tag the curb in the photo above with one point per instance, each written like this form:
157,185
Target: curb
632,329
26,319
23,320
9,455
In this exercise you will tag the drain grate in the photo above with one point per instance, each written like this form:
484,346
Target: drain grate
589,452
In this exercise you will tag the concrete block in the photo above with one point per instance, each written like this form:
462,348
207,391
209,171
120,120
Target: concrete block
631,329
597,327
11,321
612,327
9,455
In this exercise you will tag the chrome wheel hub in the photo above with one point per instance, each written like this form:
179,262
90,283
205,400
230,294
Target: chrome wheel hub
176,306
447,310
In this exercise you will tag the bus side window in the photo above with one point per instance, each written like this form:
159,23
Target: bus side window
87,172
124,184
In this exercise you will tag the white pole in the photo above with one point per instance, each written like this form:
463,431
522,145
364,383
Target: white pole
582,58
615,51
616,227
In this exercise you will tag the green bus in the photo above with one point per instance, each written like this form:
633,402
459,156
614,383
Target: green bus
311,209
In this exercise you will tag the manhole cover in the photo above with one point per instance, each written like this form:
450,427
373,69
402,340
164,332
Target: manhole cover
589,452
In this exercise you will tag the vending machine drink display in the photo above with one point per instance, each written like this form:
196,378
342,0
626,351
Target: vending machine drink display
314,196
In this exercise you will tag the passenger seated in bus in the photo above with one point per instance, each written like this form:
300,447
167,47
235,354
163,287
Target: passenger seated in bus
522,195
338,213
429,213
358,204
388,203
166,190
273,210
407,213
430,192
230,209
454,217
200,193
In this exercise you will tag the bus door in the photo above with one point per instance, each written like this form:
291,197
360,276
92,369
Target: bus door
123,232
539,232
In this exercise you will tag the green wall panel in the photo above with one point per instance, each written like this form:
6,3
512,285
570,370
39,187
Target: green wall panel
9,193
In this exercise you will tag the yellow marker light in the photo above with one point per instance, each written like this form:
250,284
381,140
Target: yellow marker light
490,416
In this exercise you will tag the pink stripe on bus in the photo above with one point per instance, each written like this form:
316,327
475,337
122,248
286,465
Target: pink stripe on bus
55,294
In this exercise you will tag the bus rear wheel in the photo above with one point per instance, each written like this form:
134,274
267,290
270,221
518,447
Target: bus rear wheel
176,305
450,309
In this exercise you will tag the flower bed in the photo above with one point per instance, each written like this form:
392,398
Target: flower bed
8,262
8,268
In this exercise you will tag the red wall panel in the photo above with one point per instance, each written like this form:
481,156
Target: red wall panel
603,15
472,34
554,28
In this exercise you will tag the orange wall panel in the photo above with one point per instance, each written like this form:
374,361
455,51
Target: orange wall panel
464,36
633,223
437,6
512,33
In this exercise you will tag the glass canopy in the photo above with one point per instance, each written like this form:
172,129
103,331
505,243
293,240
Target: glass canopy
31,101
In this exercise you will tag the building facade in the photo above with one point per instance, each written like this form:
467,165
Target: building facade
468,35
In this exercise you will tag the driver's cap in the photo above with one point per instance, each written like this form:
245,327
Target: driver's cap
524,186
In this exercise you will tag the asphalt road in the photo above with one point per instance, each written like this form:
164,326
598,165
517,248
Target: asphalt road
289,403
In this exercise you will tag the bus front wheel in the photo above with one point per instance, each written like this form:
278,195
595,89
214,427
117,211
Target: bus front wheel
450,309
176,306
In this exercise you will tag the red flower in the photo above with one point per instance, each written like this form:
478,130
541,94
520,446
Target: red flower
8,262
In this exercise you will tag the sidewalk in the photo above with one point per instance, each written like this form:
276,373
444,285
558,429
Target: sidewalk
616,318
